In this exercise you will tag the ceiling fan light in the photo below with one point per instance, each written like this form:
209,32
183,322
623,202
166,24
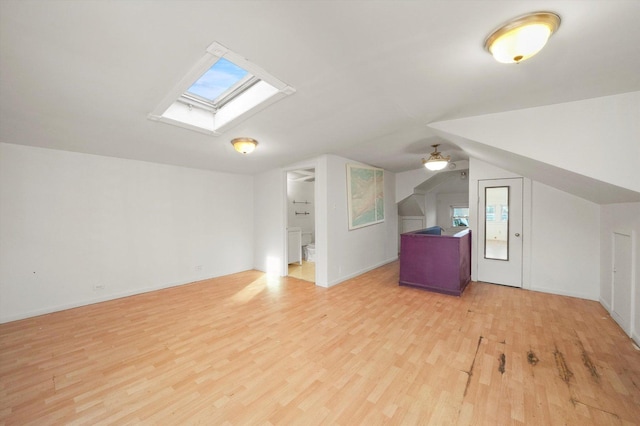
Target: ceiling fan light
244,145
522,37
435,165
436,161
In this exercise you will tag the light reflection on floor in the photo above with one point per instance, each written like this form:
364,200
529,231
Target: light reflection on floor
306,271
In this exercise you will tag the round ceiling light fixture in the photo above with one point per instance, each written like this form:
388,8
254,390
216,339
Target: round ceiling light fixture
522,37
244,145
436,161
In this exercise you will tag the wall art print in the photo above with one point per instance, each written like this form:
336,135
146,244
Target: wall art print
365,195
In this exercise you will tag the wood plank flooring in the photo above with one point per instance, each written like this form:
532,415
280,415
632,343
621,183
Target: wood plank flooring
246,349
306,271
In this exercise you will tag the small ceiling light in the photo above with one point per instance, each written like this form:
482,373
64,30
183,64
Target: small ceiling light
436,161
522,37
244,145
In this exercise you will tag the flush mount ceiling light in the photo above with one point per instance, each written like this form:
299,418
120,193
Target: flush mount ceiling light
244,145
522,37
436,161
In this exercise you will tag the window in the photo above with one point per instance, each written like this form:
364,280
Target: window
491,214
460,216
223,78
505,213
218,92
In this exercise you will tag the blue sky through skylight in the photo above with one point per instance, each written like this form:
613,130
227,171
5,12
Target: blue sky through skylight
220,77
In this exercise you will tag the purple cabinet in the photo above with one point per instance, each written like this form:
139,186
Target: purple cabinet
436,262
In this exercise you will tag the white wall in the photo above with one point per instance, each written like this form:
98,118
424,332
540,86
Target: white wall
272,202
430,209
444,202
70,221
582,134
340,253
301,192
565,243
351,253
407,181
269,222
561,240
322,221
625,219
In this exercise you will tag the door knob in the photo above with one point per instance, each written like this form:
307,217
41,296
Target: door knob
517,234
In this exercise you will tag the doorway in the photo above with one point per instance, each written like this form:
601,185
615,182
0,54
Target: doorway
500,231
301,252
621,288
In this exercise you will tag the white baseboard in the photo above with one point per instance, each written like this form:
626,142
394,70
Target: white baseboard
605,305
360,272
91,301
634,334
565,293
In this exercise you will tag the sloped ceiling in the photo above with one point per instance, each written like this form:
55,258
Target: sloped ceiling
369,76
410,206
589,148
449,181
573,183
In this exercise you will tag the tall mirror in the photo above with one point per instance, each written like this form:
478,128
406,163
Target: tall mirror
496,223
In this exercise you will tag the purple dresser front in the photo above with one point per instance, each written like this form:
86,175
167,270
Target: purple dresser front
436,262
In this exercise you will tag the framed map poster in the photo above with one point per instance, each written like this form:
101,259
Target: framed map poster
365,195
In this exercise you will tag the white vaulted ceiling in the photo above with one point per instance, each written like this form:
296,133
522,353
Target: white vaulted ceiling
369,76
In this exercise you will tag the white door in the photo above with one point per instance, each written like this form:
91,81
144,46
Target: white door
500,231
621,306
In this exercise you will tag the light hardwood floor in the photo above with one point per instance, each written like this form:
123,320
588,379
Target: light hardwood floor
245,349
306,271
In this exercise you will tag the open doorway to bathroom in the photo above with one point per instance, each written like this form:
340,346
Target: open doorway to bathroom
301,224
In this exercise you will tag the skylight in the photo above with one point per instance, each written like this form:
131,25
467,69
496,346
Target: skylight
220,78
218,92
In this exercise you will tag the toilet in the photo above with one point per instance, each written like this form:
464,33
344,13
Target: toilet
308,247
